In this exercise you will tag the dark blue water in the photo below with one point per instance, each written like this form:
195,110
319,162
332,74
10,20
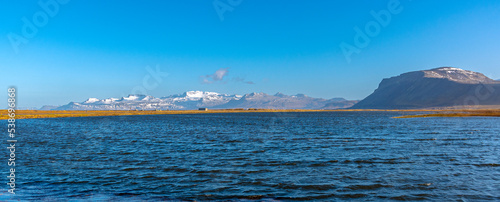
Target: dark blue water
257,156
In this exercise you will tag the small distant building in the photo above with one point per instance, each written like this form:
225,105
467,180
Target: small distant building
203,109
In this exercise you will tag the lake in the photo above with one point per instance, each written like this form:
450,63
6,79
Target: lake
257,156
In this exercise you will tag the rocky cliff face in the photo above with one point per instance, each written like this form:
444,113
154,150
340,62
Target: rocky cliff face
440,87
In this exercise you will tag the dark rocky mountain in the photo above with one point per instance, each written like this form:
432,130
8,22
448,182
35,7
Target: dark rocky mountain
199,99
440,87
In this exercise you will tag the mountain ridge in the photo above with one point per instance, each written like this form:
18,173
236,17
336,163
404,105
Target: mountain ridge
202,99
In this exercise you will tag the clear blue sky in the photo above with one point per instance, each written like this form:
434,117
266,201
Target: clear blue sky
102,48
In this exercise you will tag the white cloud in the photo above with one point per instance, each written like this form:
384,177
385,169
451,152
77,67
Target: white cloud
217,76
238,79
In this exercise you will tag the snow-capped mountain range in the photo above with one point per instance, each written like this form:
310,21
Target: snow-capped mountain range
200,99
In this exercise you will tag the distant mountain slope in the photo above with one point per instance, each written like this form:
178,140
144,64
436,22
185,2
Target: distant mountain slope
48,107
198,99
440,87
281,101
340,105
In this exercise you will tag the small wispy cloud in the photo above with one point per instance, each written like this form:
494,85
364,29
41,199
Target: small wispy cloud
219,77
238,79
215,77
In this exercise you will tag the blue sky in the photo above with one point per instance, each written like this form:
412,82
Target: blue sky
107,49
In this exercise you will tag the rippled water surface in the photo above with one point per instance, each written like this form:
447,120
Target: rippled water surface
261,156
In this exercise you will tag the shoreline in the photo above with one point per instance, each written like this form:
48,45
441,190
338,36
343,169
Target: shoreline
34,114
485,114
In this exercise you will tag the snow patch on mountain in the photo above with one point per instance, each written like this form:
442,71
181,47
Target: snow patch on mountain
91,100
458,75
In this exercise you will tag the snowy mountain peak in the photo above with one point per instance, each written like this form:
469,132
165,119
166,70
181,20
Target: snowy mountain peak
256,94
109,100
447,69
133,97
300,95
199,94
91,100
196,94
457,75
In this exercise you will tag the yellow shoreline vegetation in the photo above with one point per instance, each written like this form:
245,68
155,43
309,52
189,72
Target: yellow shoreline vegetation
33,114
460,113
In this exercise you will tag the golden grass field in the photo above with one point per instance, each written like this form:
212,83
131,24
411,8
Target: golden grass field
32,114
457,113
